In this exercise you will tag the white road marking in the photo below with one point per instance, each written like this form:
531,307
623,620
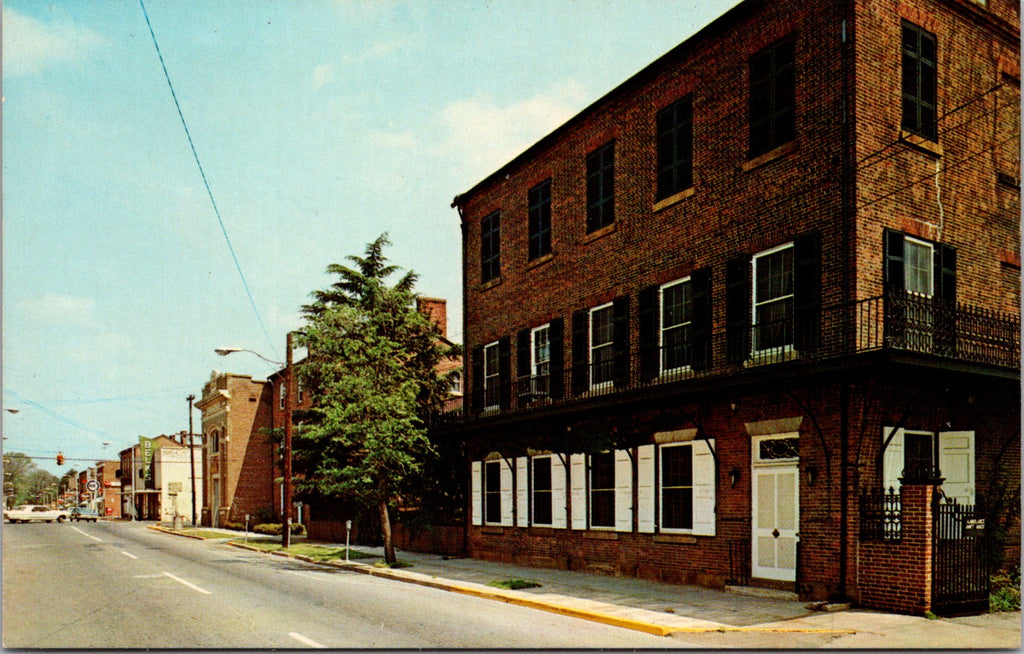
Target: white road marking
156,576
85,534
128,554
305,641
192,586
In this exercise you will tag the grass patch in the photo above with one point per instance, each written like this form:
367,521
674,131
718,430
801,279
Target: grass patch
204,533
313,551
393,566
512,584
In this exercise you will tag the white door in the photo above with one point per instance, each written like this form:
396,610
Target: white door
776,521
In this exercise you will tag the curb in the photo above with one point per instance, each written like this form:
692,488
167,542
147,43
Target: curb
165,530
519,600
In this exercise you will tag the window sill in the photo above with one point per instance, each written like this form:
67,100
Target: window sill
672,199
678,539
771,155
920,143
600,535
489,284
604,231
539,261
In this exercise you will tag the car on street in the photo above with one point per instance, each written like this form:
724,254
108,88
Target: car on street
82,513
34,513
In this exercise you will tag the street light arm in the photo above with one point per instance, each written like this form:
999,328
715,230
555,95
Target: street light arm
224,351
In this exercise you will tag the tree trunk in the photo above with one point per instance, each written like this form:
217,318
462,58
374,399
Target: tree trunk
385,531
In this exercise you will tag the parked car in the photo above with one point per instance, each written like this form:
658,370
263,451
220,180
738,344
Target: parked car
35,513
82,513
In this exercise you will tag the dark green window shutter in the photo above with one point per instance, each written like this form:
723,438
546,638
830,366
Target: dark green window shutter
895,280
945,300
895,289
620,339
477,378
505,371
807,290
700,281
648,332
580,352
523,358
556,339
737,309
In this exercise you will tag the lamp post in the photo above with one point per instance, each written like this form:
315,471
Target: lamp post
286,473
192,456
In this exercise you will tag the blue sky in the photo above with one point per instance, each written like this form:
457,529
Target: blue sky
320,124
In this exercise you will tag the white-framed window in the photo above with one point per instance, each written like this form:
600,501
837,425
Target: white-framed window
676,487
541,492
300,391
540,359
456,383
676,319
492,391
602,350
280,394
675,476
602,490
918,267
492,492
773,299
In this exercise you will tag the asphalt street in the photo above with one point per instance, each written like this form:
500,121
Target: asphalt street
119,585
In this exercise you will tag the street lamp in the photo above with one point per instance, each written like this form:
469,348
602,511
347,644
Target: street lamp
286,481
192,456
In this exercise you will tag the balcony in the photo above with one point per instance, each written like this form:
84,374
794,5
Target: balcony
903,324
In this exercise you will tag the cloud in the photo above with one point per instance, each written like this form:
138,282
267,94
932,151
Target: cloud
484,135
61,310
31,46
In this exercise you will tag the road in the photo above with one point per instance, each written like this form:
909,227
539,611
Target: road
115,585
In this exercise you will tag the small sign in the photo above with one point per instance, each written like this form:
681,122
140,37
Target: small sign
92,485
174,486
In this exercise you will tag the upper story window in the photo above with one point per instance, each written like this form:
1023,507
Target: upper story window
280,394
772,97
917,267
490,247
539,202
676,323
920,82
675,148
215,442
602,351
773,298
300,390
492,378
601,187
542,495
540,358
456,383
602,490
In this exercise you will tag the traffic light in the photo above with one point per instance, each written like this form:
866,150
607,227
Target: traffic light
60,459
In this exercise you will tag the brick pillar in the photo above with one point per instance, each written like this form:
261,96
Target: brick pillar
918,528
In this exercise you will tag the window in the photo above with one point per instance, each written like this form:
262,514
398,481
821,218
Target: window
919,455
676,322
542,514
492,491
676,487
917,267
539,201
215,442
772,97
602,351
540,359
456,383
601,187
602,490
773,298
280,394
300,390
492,385
490,247
920,82
675,148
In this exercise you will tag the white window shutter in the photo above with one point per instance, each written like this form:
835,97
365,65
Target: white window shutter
892,460
476,471
623,491
956,465
558,517
506,494
578,479
645,488
703,488
522,492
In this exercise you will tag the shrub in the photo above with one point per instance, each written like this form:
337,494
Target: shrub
237,526
274,528
1005,591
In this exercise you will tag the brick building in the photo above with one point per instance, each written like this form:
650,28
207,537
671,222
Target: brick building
772,273
238,455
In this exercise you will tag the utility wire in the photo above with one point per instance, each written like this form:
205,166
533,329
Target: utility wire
54,414
206,183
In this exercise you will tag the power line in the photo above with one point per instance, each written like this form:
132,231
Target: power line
206,183
53,414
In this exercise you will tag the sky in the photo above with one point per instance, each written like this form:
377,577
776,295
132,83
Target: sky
318,126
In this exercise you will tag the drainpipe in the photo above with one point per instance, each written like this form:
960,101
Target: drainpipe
844,436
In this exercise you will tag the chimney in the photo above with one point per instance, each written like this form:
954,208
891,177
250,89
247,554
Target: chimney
437,310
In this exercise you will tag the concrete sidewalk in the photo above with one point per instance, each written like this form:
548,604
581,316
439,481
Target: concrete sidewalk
694,616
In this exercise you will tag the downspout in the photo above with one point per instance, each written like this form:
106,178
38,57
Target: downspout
466,465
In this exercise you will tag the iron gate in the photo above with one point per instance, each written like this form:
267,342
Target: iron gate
960,580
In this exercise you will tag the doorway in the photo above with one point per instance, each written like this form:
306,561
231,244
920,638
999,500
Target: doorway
775,507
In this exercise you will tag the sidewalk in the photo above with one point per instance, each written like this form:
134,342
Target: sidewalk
693,615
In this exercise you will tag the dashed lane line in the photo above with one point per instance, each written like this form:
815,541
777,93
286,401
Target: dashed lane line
192,586
306,641
129,554
89,535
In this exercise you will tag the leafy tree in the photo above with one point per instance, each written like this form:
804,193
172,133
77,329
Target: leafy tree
23,481
371,374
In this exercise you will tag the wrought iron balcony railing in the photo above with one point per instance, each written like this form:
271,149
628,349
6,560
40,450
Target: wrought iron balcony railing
899,323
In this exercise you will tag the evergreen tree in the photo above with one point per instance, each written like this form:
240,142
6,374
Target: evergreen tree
371,374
